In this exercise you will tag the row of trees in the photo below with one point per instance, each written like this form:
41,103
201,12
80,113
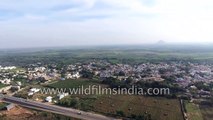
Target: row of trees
115,83
69,102
146,116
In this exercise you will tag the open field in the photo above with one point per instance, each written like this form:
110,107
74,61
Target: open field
73,83
159,108
193,111
20,113
199,112
207,112
114,54
2,85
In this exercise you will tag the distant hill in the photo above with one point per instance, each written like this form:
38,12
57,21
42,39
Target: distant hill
160,42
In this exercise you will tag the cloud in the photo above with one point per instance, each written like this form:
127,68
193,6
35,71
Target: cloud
56,8
66,22
114,7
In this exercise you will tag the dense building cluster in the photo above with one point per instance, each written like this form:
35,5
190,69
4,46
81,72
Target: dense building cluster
189,76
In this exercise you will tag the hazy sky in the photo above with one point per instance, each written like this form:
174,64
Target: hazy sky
36,23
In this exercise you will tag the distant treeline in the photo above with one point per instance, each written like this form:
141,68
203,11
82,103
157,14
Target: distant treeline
127,55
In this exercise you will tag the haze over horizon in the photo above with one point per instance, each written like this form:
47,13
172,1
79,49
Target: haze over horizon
49,23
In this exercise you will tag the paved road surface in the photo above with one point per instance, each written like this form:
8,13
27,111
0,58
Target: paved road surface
55,109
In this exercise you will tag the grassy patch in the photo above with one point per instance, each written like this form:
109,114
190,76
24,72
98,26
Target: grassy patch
73,83
23,81
2,85
193,111
2,105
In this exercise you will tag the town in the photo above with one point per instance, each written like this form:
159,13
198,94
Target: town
195,79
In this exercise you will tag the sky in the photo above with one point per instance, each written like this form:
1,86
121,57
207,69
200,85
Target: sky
46,23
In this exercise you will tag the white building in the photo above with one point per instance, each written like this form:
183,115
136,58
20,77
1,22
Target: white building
41,69
73,76
7,68
19,83
33,91
5,81
48,99
61,96
30,93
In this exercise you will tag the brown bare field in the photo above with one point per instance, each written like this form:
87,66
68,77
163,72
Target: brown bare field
20,113
16,114
207,112
159,108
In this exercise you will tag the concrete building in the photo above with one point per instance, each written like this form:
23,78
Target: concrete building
9,107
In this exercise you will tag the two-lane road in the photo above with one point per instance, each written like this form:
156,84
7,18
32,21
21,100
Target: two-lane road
56,109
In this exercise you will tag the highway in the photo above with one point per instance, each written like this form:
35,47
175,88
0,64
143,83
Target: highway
55,109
